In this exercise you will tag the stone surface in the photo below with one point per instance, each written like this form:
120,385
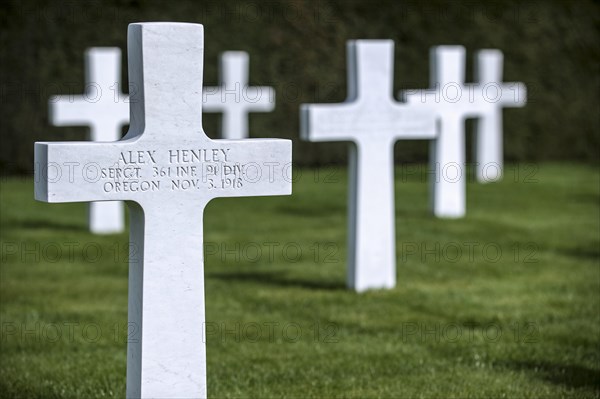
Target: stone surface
167,170
105,110
453,101
373,121
234,98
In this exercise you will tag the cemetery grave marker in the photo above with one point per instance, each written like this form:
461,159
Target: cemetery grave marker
453,101
167,170
373,121
105,110
489,148
234,98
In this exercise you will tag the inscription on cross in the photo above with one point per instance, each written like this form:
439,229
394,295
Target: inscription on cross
167,170
105,110
373,121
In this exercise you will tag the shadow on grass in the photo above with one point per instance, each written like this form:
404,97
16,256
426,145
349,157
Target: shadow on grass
570,376
48,224
316,211
411,213
279,279
587,198
587,252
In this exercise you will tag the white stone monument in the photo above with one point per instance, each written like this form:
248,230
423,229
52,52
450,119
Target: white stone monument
105,110
373,121
453,101
489,152
234,98
167,170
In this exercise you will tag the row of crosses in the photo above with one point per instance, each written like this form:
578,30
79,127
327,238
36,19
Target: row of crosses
105,110
167,354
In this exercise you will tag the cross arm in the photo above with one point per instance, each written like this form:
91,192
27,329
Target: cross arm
260,98
356,122
419,96
514,94
102,93
73,171
254,98
213,99
246,174
82,112
329,122
70,112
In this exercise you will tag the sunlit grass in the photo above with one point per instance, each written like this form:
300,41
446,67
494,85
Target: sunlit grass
502,303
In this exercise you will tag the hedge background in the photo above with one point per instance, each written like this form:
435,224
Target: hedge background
299,47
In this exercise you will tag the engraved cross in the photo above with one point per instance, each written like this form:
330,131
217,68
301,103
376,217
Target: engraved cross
167,170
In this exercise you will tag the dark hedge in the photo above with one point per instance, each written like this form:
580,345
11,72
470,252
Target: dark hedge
299,47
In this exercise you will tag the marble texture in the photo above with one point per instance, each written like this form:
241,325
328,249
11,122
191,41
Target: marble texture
167,170
372,121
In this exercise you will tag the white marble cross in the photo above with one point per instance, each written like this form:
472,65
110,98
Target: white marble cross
489,153
373,121
167,170
234,98
453,101
105,110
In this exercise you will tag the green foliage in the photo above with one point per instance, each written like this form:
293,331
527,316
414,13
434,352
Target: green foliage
299,48
281,324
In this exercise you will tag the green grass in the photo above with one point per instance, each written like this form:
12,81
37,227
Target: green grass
529,317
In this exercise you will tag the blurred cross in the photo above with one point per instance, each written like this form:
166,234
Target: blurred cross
453,101
105,110
234,98
489,153
373,121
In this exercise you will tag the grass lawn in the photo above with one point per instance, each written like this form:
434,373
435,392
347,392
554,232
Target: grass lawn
503,303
